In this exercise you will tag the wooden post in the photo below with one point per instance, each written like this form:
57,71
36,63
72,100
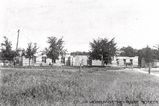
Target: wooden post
149,68
80,68
102,60
17,39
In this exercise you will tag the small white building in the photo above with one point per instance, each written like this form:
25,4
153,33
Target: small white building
76,60
83,60
125,61
80,60
96,63
40,60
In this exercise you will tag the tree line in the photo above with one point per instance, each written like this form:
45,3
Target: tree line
101,49
55,49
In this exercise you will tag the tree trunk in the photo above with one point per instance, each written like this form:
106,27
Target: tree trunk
80,68
29,61
149,68
102,60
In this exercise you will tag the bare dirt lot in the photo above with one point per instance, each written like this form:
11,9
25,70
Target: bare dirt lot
66,86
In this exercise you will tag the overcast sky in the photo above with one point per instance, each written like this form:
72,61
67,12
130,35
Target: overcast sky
131,22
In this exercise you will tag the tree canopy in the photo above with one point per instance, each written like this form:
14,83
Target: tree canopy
156,52
103,49
31,51
55,48
6,51
79,53
147,54
128,51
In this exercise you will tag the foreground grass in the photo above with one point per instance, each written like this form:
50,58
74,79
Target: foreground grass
49,87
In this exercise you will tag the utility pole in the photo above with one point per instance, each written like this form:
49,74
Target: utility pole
17,39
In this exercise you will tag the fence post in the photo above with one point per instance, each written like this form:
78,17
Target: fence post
149,68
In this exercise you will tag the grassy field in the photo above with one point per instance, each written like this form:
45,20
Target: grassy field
66,86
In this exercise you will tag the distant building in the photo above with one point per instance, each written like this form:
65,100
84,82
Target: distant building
125,61
39,59
83,60
96,63
156,63
76,60
80,60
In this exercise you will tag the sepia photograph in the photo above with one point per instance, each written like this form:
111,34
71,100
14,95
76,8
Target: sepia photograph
79,53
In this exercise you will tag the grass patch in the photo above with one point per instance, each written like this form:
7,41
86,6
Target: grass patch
45,87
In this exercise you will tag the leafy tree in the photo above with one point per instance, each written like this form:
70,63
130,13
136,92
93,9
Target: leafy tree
141,56
6,51
55,48
156,52
148,55
128,51
79,53
103,50
31,51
